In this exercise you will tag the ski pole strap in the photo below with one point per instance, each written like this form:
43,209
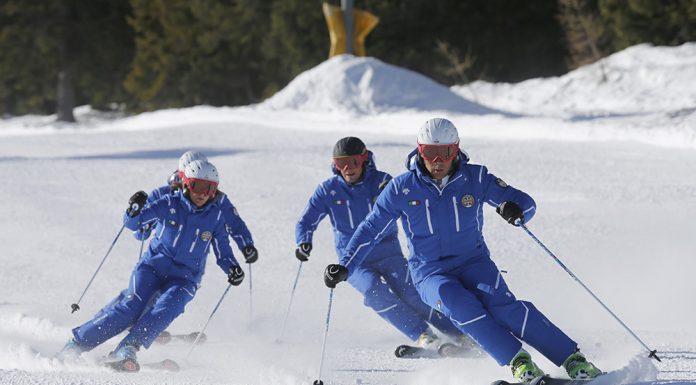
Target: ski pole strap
653,353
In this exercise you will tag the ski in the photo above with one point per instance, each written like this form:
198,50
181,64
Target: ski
450,350
166,337
446,350
408,351
546,380
166,365
128,365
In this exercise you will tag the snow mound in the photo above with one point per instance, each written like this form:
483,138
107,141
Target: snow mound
640,80
639,369
366,86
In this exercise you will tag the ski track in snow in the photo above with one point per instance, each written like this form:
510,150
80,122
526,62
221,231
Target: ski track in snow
615,209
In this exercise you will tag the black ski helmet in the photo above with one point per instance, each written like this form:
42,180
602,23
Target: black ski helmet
348,146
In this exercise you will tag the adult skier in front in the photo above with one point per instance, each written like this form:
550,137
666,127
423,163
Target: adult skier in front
383,279
440,200
173,265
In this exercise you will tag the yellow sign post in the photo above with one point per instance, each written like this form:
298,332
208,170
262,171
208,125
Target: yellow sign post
363,23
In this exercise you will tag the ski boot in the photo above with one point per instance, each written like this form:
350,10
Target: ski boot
579,368
70,352
427,339
124,358
523,369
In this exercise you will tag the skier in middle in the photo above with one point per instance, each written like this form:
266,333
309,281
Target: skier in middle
383,279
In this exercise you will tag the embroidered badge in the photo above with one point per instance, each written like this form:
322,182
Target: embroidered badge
172,211
414,203
332,192
205,237
468,201
406,191
501,183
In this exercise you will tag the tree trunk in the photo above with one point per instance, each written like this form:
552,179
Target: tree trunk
66,95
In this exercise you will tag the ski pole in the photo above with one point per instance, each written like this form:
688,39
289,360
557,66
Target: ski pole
76,306
653,353
193,345
251,303
323,345
292,294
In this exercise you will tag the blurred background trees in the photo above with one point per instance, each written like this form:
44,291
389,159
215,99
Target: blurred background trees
149,54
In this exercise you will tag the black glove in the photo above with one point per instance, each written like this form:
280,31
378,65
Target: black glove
335,274
302,251
511,212
250,254
236,276
136,203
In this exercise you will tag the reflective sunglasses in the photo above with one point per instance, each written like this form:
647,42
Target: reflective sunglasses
443,152
350,161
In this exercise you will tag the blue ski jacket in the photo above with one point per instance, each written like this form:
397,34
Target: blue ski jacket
185,235
234,225
443,225
347,205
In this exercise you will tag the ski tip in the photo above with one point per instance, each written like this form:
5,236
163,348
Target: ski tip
401,350
318,382
500,382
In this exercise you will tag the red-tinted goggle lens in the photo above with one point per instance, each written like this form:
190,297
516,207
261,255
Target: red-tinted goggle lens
351,161
444,152
201,187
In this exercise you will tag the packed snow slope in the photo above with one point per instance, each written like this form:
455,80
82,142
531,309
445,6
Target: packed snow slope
612,174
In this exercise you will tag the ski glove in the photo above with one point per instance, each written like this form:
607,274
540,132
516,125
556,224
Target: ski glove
236,276
250,254
511,212
302,251
136,203
335,274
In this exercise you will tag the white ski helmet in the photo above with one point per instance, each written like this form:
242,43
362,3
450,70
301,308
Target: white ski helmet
202,170
438,131
190,156
201,177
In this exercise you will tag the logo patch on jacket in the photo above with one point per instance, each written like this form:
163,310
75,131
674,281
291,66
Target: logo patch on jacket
205,237
501,183
172,211
414,203
468,201
405,191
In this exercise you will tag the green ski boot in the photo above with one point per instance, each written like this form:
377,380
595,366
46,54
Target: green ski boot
523,369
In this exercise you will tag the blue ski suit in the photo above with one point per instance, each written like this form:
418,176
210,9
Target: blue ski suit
449,261
383,279
172,267
234,224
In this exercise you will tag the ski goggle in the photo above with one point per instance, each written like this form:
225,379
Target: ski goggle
350,161
443,152
201,186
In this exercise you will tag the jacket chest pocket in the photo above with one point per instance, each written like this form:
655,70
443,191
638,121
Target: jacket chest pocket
419,216
342,211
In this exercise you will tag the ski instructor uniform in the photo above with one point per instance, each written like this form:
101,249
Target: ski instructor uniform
383,278
440,201
172,267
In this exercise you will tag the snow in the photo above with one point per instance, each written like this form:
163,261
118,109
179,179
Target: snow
610,165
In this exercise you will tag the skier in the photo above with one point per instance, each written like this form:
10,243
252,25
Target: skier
173,266
383,279
234,224
440,200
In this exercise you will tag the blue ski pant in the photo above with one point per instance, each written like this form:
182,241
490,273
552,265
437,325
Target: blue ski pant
132,311
387,288
477,299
